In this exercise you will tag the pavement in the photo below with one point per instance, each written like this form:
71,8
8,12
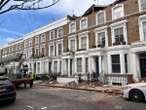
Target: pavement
42,98
86,87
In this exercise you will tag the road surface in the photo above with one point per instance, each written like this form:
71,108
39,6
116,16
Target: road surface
61,99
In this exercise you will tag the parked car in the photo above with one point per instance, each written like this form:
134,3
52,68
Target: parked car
135,92
7,90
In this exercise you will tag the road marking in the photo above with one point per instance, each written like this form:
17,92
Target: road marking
28,106
44,108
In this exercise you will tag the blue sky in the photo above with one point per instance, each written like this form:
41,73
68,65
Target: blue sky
15,24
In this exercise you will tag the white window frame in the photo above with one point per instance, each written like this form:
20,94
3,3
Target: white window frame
139,4
38,50
121,24
87,40
100,30
50,36
70,29
58,32
43,38
123,13
37,39
69,42
97,17
53,54
86,19
81,64
43,46
57,49
141,20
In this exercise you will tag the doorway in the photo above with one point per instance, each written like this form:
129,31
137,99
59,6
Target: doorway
71,65
97,67
142,57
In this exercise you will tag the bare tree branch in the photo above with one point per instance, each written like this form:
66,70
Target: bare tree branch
8,5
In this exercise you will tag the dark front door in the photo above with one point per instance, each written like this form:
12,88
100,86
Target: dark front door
50,64
97,67
71,61
143,65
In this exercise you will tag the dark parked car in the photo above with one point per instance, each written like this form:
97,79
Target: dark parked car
7,90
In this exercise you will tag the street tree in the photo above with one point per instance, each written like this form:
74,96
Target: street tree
8,5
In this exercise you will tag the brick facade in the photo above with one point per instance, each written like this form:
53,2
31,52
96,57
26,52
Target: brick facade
130,44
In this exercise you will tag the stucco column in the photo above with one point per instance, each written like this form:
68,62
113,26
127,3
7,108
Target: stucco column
100,65
134,66
83,65
41,67
68,67
122,63
63,65
75,65
109,64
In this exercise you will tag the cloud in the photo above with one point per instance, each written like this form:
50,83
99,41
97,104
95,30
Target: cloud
10,39
10,31
77,7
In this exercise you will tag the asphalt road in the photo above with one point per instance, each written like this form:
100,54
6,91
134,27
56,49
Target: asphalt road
61,99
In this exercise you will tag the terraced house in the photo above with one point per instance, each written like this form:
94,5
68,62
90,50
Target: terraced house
105,41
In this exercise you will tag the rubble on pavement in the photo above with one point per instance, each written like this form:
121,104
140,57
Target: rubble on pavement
87,86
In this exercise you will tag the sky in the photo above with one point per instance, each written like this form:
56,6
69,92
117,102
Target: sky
16,24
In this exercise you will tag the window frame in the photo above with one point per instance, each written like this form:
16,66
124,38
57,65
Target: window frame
86,21
70,29
37,39
140,8
113,64
58,34
100,30
69,43
121,24
50,35
60,43
116,6
51,54
104,15
141,29
82,35
77,65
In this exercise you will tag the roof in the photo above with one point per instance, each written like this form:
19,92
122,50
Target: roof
94,8
117,1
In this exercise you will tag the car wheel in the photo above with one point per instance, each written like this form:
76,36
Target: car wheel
136,95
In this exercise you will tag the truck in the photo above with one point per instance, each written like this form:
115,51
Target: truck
14,68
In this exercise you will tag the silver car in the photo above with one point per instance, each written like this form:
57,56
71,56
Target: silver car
135,92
